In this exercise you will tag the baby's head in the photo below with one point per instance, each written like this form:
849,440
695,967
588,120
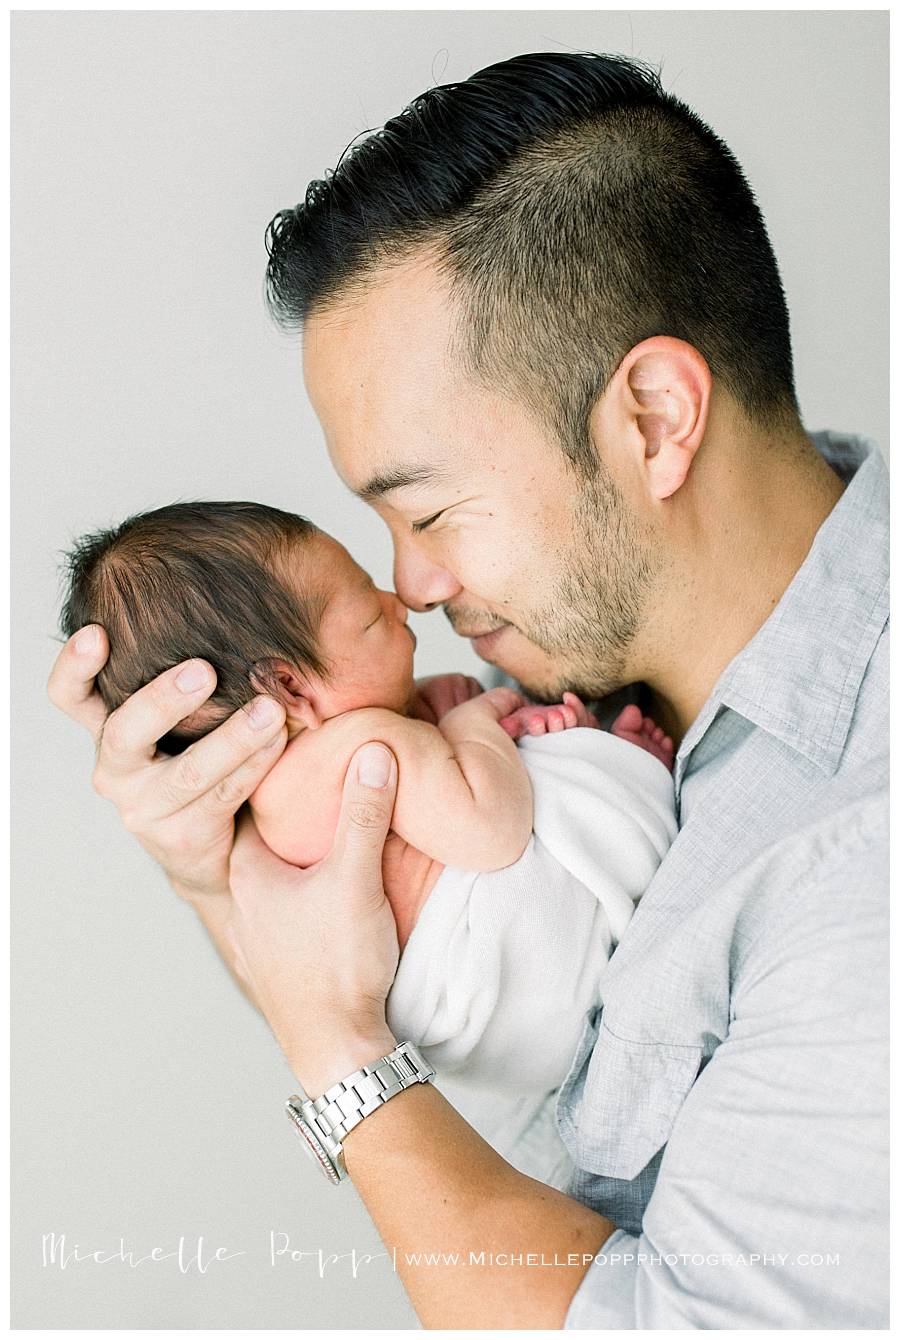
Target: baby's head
274,604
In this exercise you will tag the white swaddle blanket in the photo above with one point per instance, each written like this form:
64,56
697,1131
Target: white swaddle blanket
501,968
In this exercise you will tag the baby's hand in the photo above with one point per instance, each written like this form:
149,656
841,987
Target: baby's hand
495,704
535,719
439,694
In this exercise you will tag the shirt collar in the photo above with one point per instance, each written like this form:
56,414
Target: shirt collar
799,676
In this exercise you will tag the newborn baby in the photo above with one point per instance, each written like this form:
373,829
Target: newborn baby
522,865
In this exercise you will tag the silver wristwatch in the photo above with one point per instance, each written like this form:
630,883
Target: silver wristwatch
323,1122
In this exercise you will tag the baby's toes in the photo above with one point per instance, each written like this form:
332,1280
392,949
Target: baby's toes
569,716
537,726
629,719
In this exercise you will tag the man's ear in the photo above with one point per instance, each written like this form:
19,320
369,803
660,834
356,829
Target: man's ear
280,679
665,387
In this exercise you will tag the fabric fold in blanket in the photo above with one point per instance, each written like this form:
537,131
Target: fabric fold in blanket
501,967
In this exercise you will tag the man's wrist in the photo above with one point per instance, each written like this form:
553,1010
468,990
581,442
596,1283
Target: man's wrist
332,1061
197,893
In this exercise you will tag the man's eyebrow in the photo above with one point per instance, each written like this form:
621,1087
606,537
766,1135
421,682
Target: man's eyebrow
397,477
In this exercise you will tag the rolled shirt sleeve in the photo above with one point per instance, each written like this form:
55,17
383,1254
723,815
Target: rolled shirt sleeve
770,1207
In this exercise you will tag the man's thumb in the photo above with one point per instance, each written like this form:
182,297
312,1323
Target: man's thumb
366,807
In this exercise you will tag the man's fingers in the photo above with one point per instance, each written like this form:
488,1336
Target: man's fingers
226,796
71,683
129,739
227,765
367,805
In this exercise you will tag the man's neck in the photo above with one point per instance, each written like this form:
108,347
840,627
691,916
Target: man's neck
754,532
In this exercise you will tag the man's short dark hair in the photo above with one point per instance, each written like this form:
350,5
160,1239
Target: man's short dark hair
576,208
207,579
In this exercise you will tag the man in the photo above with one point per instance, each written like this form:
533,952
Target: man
544,332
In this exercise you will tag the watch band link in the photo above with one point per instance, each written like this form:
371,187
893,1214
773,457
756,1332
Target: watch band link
346,1103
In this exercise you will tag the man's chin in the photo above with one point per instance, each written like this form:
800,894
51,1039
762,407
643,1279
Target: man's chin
548,687
542,677
538,687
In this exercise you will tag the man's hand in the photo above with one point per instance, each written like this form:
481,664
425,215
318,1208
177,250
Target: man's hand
439,694
180,809
318,947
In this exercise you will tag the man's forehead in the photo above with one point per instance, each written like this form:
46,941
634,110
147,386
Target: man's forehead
395,405
402,306
390,408
367,386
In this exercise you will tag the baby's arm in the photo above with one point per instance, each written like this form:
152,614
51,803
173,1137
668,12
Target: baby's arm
464,796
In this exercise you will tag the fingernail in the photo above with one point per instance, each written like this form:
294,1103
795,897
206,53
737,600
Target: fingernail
88,640
373,766
263,713
194,676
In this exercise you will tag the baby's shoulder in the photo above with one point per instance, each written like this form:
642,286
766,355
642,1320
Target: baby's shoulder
295,806
297,803
352,729
314,756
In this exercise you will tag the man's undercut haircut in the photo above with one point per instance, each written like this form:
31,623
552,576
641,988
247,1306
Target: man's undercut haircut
197,579
575,208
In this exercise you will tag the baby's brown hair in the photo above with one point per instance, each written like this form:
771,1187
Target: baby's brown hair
204,579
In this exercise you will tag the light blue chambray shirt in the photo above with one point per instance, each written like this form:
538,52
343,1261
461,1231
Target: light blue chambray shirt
726,1107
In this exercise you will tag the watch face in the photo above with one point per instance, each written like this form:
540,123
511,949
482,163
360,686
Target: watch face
313,1146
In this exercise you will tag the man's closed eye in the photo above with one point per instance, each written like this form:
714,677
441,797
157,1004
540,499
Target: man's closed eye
418,526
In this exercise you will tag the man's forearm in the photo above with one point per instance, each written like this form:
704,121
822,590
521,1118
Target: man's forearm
507,1251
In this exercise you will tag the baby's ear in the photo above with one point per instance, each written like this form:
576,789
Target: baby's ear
281,680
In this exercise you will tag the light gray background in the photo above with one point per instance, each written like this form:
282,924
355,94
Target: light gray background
150,151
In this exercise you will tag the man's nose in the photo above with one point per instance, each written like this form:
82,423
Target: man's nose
421,584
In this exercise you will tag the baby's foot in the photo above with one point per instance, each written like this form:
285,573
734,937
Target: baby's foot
632,725
539,719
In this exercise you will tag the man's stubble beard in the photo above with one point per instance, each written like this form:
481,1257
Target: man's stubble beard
595,612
